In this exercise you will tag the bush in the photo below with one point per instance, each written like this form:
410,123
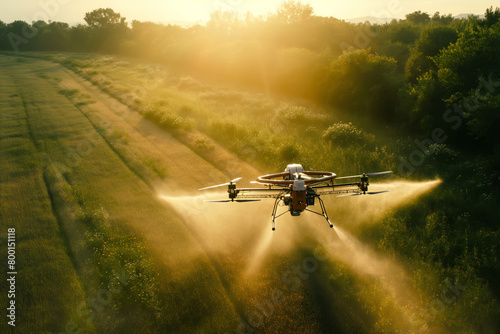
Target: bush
346,134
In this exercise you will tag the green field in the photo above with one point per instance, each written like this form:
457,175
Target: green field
101,157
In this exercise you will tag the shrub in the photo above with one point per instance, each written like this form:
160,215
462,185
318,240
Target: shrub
346,134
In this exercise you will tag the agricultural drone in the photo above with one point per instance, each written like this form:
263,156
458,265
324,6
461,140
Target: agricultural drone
298,189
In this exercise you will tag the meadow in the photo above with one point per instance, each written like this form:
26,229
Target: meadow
97,139
108,129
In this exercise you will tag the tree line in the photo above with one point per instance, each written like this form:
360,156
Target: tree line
423,72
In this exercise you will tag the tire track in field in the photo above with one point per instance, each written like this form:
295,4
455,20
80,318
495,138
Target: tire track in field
215,276
62,228
176,151
215,265
60,241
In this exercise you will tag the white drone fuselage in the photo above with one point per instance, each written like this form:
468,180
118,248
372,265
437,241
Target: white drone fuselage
297,199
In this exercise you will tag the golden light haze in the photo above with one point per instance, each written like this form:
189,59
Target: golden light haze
198,11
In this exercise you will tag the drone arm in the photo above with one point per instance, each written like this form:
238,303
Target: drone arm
259,189
337,185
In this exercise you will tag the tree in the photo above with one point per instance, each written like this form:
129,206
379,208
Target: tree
292,12
462,89
101,18
469,71
418,17
3,36
442,19
363,82
402,32
18,35
431,41
224,21
54,36
491,16
108,29
80,38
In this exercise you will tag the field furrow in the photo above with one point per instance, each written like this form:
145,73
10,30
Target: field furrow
96,177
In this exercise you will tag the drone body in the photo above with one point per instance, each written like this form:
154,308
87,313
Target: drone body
298,189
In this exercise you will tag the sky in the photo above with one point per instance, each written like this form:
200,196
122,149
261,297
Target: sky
198,11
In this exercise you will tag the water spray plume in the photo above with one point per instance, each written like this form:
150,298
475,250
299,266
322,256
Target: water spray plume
259,252
239,237
352,211
223,227
359,256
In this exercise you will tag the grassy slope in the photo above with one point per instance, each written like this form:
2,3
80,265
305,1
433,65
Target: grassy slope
48,287
258,128
334,297
264,131
101,179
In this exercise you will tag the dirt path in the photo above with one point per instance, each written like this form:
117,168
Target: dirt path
81,138
186,170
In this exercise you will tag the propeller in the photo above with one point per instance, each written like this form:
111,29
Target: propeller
222,185
349,195
302,176
268,184
367,193
236,200
377,192
367,174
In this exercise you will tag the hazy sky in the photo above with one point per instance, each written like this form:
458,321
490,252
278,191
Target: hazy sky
73,11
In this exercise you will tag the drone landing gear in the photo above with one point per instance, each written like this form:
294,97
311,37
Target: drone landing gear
275,208
323,211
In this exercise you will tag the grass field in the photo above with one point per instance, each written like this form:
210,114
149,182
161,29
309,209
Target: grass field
101,159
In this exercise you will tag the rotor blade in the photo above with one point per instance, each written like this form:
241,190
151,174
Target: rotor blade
228,200
219,185
367,174
261,189
262,184
348,177
356,194
328,183
380,173
222,185
377,192
268,184
302,176
305,176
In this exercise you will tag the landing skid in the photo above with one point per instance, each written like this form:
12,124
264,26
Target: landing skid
275,208
323,211
322,205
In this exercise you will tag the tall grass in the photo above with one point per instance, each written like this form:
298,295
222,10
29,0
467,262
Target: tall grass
104,177
48,289
266,131
448,234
